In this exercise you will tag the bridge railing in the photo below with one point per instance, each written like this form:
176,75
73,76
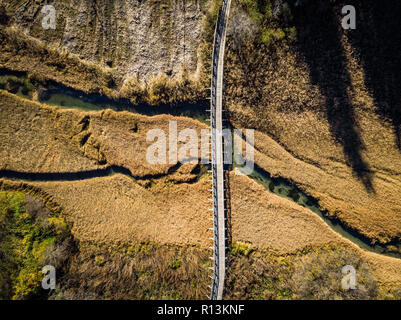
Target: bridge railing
219,31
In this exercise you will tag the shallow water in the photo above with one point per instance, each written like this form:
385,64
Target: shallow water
67,101
286,189
68,98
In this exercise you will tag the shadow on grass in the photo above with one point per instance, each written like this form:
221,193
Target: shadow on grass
319,40
377,41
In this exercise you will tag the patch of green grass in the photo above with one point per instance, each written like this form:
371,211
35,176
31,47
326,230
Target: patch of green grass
207,263
138,249
141,273
24,241
239,248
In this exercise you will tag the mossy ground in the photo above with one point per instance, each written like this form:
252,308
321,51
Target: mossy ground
27,237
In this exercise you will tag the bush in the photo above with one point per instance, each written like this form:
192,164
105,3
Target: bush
99,260
27,86
28,233
240,248
134,90
269,26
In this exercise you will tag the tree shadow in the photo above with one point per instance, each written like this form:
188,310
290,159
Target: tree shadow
377,42
319,40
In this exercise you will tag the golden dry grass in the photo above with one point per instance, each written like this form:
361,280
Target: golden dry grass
31,139
376,215
40,138
42,62
349,160
270,222
138,271
24,53
117,210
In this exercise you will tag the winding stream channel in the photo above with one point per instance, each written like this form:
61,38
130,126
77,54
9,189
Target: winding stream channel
64,97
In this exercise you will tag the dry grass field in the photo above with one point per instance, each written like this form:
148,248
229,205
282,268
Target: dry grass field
117,68
326,107
116,212
377,215
117,209
39,138
21,52
156,207
142,231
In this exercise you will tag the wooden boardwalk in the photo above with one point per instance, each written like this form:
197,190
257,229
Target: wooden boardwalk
217,151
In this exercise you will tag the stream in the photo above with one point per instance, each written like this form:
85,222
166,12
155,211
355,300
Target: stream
61,96
284,188
55,94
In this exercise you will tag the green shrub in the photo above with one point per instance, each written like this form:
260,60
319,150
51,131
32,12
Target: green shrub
270,27
99,260
28,238
240,248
